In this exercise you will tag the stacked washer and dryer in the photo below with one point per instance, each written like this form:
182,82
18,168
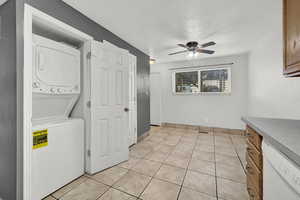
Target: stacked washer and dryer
58,139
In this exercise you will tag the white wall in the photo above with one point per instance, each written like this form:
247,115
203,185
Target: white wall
208,110
270,93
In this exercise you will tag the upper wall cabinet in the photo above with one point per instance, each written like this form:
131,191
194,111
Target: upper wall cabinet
291,37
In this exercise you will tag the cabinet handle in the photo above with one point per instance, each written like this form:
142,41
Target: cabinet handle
249,170
249,135
249,150
252,196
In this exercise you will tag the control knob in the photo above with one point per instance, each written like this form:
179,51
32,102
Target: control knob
52,90
36,85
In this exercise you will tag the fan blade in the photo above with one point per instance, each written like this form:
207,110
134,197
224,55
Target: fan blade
208,44
170,54
205,51
182,45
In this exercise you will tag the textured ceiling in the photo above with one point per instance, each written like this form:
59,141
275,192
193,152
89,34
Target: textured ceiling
156,26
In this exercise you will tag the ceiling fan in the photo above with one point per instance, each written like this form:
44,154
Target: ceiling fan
195,48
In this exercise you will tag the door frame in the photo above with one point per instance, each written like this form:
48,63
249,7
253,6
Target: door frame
160,99
133,60
24,87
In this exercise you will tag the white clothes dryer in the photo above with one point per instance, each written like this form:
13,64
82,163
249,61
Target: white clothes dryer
56,79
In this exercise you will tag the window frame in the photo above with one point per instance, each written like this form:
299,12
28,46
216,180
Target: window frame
174,81
199,70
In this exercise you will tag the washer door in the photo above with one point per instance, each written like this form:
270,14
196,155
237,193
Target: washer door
47,107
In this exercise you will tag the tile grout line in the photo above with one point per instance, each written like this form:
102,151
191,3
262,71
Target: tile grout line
138,196
235,149
71,189
88,178
216,178
120,191
162,163
187,169
111,186
240,161
152,177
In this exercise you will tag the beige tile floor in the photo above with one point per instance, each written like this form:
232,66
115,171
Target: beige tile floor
170,164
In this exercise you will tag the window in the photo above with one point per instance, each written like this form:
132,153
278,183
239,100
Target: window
216,80
187,82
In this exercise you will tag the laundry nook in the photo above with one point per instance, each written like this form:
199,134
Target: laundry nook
56,135
82,110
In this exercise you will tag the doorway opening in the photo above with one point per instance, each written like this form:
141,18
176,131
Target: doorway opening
155,98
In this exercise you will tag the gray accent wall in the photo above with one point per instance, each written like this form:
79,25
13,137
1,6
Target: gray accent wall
8,101
11,59
67,14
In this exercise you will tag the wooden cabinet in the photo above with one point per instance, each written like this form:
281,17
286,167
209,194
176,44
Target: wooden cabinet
254,168
291,13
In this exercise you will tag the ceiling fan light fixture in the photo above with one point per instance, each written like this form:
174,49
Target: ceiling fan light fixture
152,61
194,49
193,54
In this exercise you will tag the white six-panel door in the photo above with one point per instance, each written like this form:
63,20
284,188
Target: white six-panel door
109,102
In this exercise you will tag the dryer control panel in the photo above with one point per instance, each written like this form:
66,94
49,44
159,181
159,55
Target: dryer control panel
39,87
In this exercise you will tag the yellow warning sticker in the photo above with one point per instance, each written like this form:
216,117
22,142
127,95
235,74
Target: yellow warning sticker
40,139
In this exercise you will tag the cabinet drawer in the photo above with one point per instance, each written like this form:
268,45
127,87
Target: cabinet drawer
254,174
255,155
253,194
254,137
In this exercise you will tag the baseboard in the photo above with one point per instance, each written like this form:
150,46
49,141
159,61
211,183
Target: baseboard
142,137
185,126
206,128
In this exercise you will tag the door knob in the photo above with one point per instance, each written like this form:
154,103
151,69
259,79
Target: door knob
126,109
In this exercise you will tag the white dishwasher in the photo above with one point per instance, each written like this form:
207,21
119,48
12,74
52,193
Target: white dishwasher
281,176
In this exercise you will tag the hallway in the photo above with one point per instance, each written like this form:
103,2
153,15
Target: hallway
170,164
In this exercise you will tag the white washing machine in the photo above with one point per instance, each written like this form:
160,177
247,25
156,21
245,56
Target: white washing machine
58,141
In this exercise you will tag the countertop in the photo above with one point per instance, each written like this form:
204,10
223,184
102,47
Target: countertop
283,134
